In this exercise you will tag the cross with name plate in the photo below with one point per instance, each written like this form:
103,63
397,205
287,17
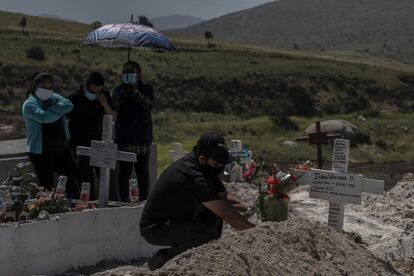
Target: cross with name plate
104,154
338,186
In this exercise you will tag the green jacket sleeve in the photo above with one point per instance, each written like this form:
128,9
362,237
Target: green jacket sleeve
61,106
34,111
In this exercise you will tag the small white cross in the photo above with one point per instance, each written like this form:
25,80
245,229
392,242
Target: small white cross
177,152
338,186
104,154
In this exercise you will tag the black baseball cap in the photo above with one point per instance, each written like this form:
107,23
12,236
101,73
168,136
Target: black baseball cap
213,146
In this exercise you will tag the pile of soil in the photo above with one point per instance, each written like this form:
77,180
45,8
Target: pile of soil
294,247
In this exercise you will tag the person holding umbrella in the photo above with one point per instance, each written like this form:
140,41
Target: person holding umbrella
133,101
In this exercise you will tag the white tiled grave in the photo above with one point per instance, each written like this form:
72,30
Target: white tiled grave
69,240
72,240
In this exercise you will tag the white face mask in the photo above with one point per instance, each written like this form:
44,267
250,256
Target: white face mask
43,94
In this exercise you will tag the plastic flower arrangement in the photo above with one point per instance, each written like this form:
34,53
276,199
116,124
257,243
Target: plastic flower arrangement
274,199
49,202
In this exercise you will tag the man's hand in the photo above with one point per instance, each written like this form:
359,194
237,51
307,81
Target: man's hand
102,99
104,102
48,103
228,213
236,202
239,204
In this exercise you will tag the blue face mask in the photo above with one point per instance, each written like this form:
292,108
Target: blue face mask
130,78
89,95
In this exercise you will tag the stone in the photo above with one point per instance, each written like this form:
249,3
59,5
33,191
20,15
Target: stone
347,129
43,215
289,143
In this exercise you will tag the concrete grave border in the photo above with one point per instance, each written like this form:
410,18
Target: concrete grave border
72,240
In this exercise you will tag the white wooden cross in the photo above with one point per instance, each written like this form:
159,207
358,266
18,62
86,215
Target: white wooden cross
104,154
177,152
338,186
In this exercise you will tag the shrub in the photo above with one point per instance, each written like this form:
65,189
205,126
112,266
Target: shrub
282,121
302,101
36,53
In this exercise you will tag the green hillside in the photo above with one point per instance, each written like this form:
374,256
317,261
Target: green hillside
242,91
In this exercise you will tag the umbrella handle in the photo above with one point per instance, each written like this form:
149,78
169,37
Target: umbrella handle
129,47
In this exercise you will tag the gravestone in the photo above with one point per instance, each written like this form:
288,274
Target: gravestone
234,169
338,186
177,152
103,154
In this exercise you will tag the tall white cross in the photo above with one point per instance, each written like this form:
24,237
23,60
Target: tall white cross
338,186
104,154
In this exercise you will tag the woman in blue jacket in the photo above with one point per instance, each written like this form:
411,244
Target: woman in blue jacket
47,134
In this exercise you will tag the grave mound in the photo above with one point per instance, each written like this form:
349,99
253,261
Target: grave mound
294,247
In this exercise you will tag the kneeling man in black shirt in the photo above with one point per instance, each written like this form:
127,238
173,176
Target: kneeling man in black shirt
189,202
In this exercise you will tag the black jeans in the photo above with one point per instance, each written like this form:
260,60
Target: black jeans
183,235
62,162
142,172
86,174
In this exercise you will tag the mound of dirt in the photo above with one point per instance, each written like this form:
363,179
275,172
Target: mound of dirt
293,247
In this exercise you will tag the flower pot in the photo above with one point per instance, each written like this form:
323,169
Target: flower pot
275,209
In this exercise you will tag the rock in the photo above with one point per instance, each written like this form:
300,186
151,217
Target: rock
361,118
347,129
43,215
289,143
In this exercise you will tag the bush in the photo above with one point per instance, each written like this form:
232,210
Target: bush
282,121
302,100
36,53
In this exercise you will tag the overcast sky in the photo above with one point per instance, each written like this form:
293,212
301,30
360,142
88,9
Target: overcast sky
120,10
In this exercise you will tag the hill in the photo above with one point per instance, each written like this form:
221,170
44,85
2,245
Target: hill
375,27
175,21
244,92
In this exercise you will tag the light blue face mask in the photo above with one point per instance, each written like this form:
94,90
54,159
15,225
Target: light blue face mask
130,78
89,95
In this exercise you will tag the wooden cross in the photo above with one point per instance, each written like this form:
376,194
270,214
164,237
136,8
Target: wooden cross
338,186
319,138
177,152
104,154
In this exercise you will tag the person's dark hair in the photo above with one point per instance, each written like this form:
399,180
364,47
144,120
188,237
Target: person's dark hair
37,78
95,78
212,145
133,64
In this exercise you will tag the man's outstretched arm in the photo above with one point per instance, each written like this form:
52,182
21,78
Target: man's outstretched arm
224,210
235,201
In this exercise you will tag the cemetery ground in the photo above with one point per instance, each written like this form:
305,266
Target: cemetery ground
378,240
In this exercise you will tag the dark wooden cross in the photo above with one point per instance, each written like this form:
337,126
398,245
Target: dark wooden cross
319,138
